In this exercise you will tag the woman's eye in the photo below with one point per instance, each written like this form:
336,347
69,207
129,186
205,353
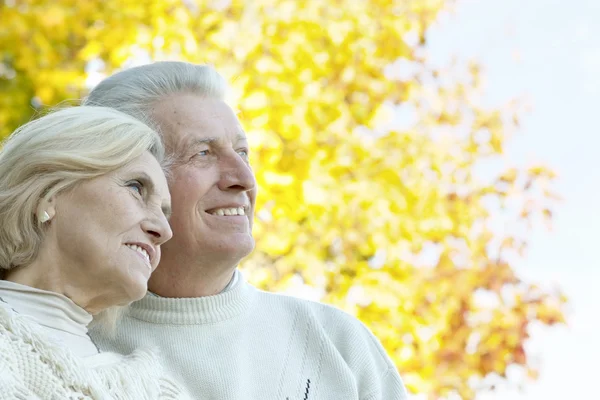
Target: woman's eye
202,153
243,153
136,186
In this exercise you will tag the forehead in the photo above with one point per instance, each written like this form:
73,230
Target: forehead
147,166
144,167
185,118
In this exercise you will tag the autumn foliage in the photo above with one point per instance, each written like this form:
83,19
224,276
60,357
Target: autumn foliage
388,218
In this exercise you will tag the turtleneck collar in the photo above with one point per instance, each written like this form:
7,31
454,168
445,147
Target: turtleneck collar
195,310
59,316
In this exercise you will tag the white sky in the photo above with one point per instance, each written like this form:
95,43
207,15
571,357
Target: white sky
548,50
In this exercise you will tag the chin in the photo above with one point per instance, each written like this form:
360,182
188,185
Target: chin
136,292
246,246
237,248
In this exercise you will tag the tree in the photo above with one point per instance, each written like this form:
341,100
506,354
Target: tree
389,221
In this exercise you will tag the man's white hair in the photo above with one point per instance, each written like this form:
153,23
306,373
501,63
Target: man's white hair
135,91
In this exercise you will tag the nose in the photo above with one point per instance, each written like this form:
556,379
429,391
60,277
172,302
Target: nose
157,228
236,174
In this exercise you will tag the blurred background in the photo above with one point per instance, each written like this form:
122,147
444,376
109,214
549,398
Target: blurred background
426,165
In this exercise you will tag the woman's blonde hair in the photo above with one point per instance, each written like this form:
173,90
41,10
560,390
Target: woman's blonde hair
52,154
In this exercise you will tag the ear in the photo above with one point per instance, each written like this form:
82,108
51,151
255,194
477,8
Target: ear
46,209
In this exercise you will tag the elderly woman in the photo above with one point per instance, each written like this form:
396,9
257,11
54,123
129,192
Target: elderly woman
83,212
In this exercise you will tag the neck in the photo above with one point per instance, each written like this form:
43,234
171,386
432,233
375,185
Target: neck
52,281
180,282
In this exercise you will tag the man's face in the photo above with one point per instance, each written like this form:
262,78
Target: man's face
213,189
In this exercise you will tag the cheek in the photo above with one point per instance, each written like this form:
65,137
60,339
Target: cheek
119,216
187,194
124,210
187,189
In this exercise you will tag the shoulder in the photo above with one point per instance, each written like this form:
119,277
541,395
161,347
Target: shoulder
20,365
15,330
328,316
343,337
344,331
29,363
22,334
9,345
11,386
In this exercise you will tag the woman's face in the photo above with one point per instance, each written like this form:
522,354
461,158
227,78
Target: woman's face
105,234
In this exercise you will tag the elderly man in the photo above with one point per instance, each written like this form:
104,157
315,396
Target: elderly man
221,336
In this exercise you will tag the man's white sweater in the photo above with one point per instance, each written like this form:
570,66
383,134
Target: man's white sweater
249,344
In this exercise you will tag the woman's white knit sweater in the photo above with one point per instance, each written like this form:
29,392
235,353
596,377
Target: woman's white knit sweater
33,365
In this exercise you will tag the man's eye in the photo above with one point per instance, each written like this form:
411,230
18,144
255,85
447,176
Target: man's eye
136,186
202,153
243,153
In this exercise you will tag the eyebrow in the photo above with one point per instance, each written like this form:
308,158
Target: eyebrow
146,180
212,139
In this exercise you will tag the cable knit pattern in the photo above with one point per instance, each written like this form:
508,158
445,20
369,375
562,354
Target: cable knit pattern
33,367
247,344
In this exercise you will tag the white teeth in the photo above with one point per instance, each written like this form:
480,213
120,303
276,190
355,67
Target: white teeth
229,211
141,251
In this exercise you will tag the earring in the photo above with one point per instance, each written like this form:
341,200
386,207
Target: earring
44,217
